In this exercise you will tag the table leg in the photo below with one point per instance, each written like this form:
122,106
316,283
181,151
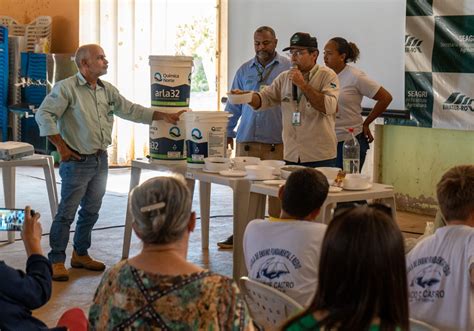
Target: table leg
325,212
241,193
8,174
205,207
256,206
50,184
53,176
127,236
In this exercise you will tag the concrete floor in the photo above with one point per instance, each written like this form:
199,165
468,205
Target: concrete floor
108,235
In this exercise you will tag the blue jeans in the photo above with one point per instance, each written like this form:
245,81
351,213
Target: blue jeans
83,183
364,146
314,164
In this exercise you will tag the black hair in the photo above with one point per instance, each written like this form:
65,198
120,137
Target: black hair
349,48
362,272
305,190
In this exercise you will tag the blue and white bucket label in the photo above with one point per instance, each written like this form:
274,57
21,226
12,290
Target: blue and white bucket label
170,80
166,141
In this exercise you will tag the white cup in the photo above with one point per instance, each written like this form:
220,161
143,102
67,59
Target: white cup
355,181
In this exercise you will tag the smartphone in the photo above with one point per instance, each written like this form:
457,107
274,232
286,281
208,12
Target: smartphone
12,219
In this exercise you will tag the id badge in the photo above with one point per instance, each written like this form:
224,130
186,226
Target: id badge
296,118
112,106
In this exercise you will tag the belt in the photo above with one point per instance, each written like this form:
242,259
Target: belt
97,153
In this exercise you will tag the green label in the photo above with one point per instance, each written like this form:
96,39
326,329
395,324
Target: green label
420,7
454,44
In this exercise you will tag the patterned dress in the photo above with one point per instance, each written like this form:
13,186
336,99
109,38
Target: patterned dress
132,299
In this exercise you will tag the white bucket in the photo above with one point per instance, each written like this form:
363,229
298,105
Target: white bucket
167,140
170,79
206,136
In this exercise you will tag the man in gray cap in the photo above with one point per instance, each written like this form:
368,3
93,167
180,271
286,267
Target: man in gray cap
308,95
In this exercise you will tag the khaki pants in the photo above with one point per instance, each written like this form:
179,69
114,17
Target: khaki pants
264,152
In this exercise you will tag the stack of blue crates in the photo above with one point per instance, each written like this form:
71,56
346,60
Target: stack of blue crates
4,82
33,68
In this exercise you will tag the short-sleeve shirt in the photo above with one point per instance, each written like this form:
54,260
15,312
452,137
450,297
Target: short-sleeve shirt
439,284
354,85
284,254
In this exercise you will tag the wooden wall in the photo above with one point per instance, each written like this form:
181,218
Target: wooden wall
65,14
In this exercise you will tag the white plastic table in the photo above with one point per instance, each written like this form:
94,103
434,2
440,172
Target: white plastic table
241,192
9,179
383,192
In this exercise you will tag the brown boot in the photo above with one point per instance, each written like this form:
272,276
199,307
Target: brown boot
60,272
86,262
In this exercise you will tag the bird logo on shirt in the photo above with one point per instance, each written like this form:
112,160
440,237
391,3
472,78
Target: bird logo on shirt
427,277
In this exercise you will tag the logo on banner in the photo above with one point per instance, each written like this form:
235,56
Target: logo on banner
459,102
412,44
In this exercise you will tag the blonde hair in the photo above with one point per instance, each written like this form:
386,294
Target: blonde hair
166,224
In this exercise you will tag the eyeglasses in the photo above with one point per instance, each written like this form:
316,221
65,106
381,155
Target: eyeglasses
297,52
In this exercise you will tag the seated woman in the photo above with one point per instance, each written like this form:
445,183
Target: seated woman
158,288
362,275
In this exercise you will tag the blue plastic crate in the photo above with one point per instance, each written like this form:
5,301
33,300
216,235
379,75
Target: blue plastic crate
4,82
33,69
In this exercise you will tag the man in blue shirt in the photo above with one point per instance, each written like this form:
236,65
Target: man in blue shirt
259,133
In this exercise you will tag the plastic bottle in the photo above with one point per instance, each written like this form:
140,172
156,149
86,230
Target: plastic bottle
351,154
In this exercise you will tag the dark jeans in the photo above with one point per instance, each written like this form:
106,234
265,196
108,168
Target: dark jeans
364,146
314,164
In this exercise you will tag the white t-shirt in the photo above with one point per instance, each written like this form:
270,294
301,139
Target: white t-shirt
354,85
439,286
285,255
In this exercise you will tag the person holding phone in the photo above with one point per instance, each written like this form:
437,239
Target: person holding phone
21,292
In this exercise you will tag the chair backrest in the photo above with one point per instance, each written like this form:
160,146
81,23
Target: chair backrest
416,325
269,308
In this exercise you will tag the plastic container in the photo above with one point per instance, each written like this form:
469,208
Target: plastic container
277,164
170,78
240,162
351,154
216,164
259,172
167,140
329,172
286,170
206,136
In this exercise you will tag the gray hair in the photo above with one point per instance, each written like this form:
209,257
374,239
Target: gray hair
161,225
82,53
266,28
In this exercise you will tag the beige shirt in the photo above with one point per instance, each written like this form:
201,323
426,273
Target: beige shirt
315,139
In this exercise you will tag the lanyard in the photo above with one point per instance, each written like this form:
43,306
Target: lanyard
262,75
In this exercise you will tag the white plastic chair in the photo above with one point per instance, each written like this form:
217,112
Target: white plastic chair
269,308
416,325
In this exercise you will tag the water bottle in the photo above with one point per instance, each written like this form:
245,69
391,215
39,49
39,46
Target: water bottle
351,154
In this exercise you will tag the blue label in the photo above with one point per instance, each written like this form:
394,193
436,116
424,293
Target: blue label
165,148
196,149
170,96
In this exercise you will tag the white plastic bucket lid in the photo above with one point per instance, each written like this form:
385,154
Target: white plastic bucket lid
197,116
